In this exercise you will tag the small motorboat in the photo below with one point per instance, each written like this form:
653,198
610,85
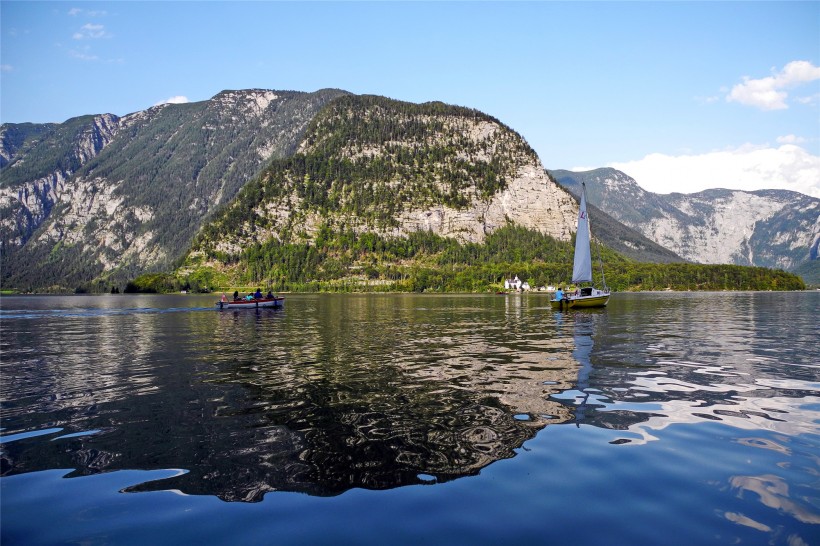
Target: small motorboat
255,303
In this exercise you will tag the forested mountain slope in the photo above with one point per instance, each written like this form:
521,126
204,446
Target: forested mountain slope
104,198
389,195
374,165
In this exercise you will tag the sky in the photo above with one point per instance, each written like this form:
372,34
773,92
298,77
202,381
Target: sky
682,96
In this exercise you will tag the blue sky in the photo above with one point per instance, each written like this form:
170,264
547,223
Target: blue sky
682,96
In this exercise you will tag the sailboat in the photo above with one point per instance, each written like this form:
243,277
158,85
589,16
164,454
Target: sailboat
586,296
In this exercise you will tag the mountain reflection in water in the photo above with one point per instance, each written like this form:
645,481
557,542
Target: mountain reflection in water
329,394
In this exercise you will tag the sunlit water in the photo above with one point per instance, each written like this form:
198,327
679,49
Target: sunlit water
405,419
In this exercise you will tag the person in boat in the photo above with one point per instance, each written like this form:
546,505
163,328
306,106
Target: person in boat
559,294
258,294
249,297
236,295
224,297
270,295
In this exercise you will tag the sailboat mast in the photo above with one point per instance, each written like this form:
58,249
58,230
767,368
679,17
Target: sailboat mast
601,262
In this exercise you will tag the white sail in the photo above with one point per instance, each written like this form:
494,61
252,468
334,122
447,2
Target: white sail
582,267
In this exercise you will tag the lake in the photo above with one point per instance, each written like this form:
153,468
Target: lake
666,418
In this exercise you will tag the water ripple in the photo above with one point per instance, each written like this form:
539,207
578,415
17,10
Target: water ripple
673,404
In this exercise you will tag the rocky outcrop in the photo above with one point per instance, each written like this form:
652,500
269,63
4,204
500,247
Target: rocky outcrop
530,200
27,202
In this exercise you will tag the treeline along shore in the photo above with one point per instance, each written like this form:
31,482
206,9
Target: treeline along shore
425,262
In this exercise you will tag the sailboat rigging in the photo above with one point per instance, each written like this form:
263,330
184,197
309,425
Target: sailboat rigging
586,296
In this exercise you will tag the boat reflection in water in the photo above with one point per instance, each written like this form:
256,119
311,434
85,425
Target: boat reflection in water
355,392
644,383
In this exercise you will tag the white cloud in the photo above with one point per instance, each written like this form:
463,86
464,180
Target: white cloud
83,54
73,12
790,139
769,93
178,99
810,99
707,99
90,31
6,68
749,167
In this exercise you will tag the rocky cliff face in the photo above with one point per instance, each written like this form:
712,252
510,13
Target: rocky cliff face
769,228
777,229
530,199
34,180
107,197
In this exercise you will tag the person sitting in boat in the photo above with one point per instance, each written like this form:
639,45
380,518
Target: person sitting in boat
249,297
559,294
258,294
270,295
236,295
224,298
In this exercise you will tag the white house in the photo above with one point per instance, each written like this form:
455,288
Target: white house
512,284
516,284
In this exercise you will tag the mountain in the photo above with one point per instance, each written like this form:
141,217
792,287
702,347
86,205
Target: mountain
299,187
372,164
627,241
377,184
106,197
768,228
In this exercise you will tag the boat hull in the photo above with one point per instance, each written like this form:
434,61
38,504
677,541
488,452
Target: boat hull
275,302
581,302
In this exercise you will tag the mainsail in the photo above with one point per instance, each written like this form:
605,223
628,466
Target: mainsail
582,267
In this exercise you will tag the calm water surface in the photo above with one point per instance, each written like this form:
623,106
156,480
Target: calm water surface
405,419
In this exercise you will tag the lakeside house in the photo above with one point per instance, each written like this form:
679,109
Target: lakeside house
516,284
512,284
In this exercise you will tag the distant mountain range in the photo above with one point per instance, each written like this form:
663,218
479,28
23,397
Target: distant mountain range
769,228
100,199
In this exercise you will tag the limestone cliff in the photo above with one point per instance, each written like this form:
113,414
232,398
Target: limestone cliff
37,162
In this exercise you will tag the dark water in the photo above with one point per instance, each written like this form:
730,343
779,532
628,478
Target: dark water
393,419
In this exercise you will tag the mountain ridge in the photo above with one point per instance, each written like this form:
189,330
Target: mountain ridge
133,201
769,228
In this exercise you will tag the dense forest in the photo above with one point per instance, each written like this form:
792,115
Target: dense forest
425,262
